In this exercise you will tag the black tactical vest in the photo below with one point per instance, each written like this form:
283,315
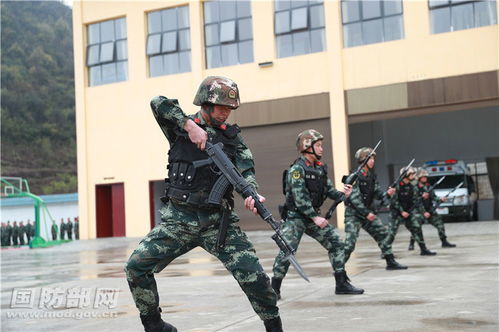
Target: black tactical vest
366,186
316,183
406,198
427,204
190,185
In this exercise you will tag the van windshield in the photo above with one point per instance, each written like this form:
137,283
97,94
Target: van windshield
450,181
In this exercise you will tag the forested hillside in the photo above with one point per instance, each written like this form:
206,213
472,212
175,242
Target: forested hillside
37,97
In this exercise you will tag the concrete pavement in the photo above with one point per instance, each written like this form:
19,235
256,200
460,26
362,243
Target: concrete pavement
457,290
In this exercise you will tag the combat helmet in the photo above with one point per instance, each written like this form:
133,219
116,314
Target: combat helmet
307,138
422,173
217,90
410,170
362,153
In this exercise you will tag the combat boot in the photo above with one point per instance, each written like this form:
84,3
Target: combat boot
411,244
392,264
276,286
273,325
425,251
447,244
343,285
154,323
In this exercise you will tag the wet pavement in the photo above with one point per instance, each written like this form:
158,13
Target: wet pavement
81,286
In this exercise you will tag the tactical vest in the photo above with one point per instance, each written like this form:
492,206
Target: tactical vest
427,204
366,187
316,183
191,185
406,198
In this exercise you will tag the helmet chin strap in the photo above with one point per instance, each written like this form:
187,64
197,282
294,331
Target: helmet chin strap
313,152
209,110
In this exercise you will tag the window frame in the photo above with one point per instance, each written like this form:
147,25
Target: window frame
216,46
381,18
450,4
99,65
288,7
167,46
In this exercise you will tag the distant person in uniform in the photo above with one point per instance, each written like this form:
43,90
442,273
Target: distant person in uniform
22,232
9,233
3,230
77,228
29,231
15,234
69,229
54,229
33,229
63,229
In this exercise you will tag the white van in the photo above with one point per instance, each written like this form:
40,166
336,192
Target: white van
462,203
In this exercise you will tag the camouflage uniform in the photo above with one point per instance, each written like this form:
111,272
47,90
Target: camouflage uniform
77,229
185,226
15,234
54,230
434,219
9,234
22,231
3,236
413,205
62,229
300,221
355,216
69,229
29,231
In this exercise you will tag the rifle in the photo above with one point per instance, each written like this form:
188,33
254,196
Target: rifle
436,183
401,176
450,192
232,176
350,179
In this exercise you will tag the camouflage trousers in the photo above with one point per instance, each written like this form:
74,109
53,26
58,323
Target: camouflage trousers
412,223
438,223
180,232
378,231
293,229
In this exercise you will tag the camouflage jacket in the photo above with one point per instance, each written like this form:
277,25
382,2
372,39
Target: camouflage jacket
355,205
171,118
396,205
429,203
296,187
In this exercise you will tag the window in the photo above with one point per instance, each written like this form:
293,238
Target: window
453,15
168,41
228,33
371,21
107,52
299,27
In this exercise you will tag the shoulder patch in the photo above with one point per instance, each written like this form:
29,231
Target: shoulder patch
296,175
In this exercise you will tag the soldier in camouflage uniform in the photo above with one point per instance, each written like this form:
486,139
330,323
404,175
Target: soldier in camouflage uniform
188,221
69,229
3,230
9,233
22,232
29,231
307,187
62,229
15,234
359,211
54,230
406,207
430,214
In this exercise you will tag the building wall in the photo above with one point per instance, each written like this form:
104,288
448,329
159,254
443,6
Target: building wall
115,127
